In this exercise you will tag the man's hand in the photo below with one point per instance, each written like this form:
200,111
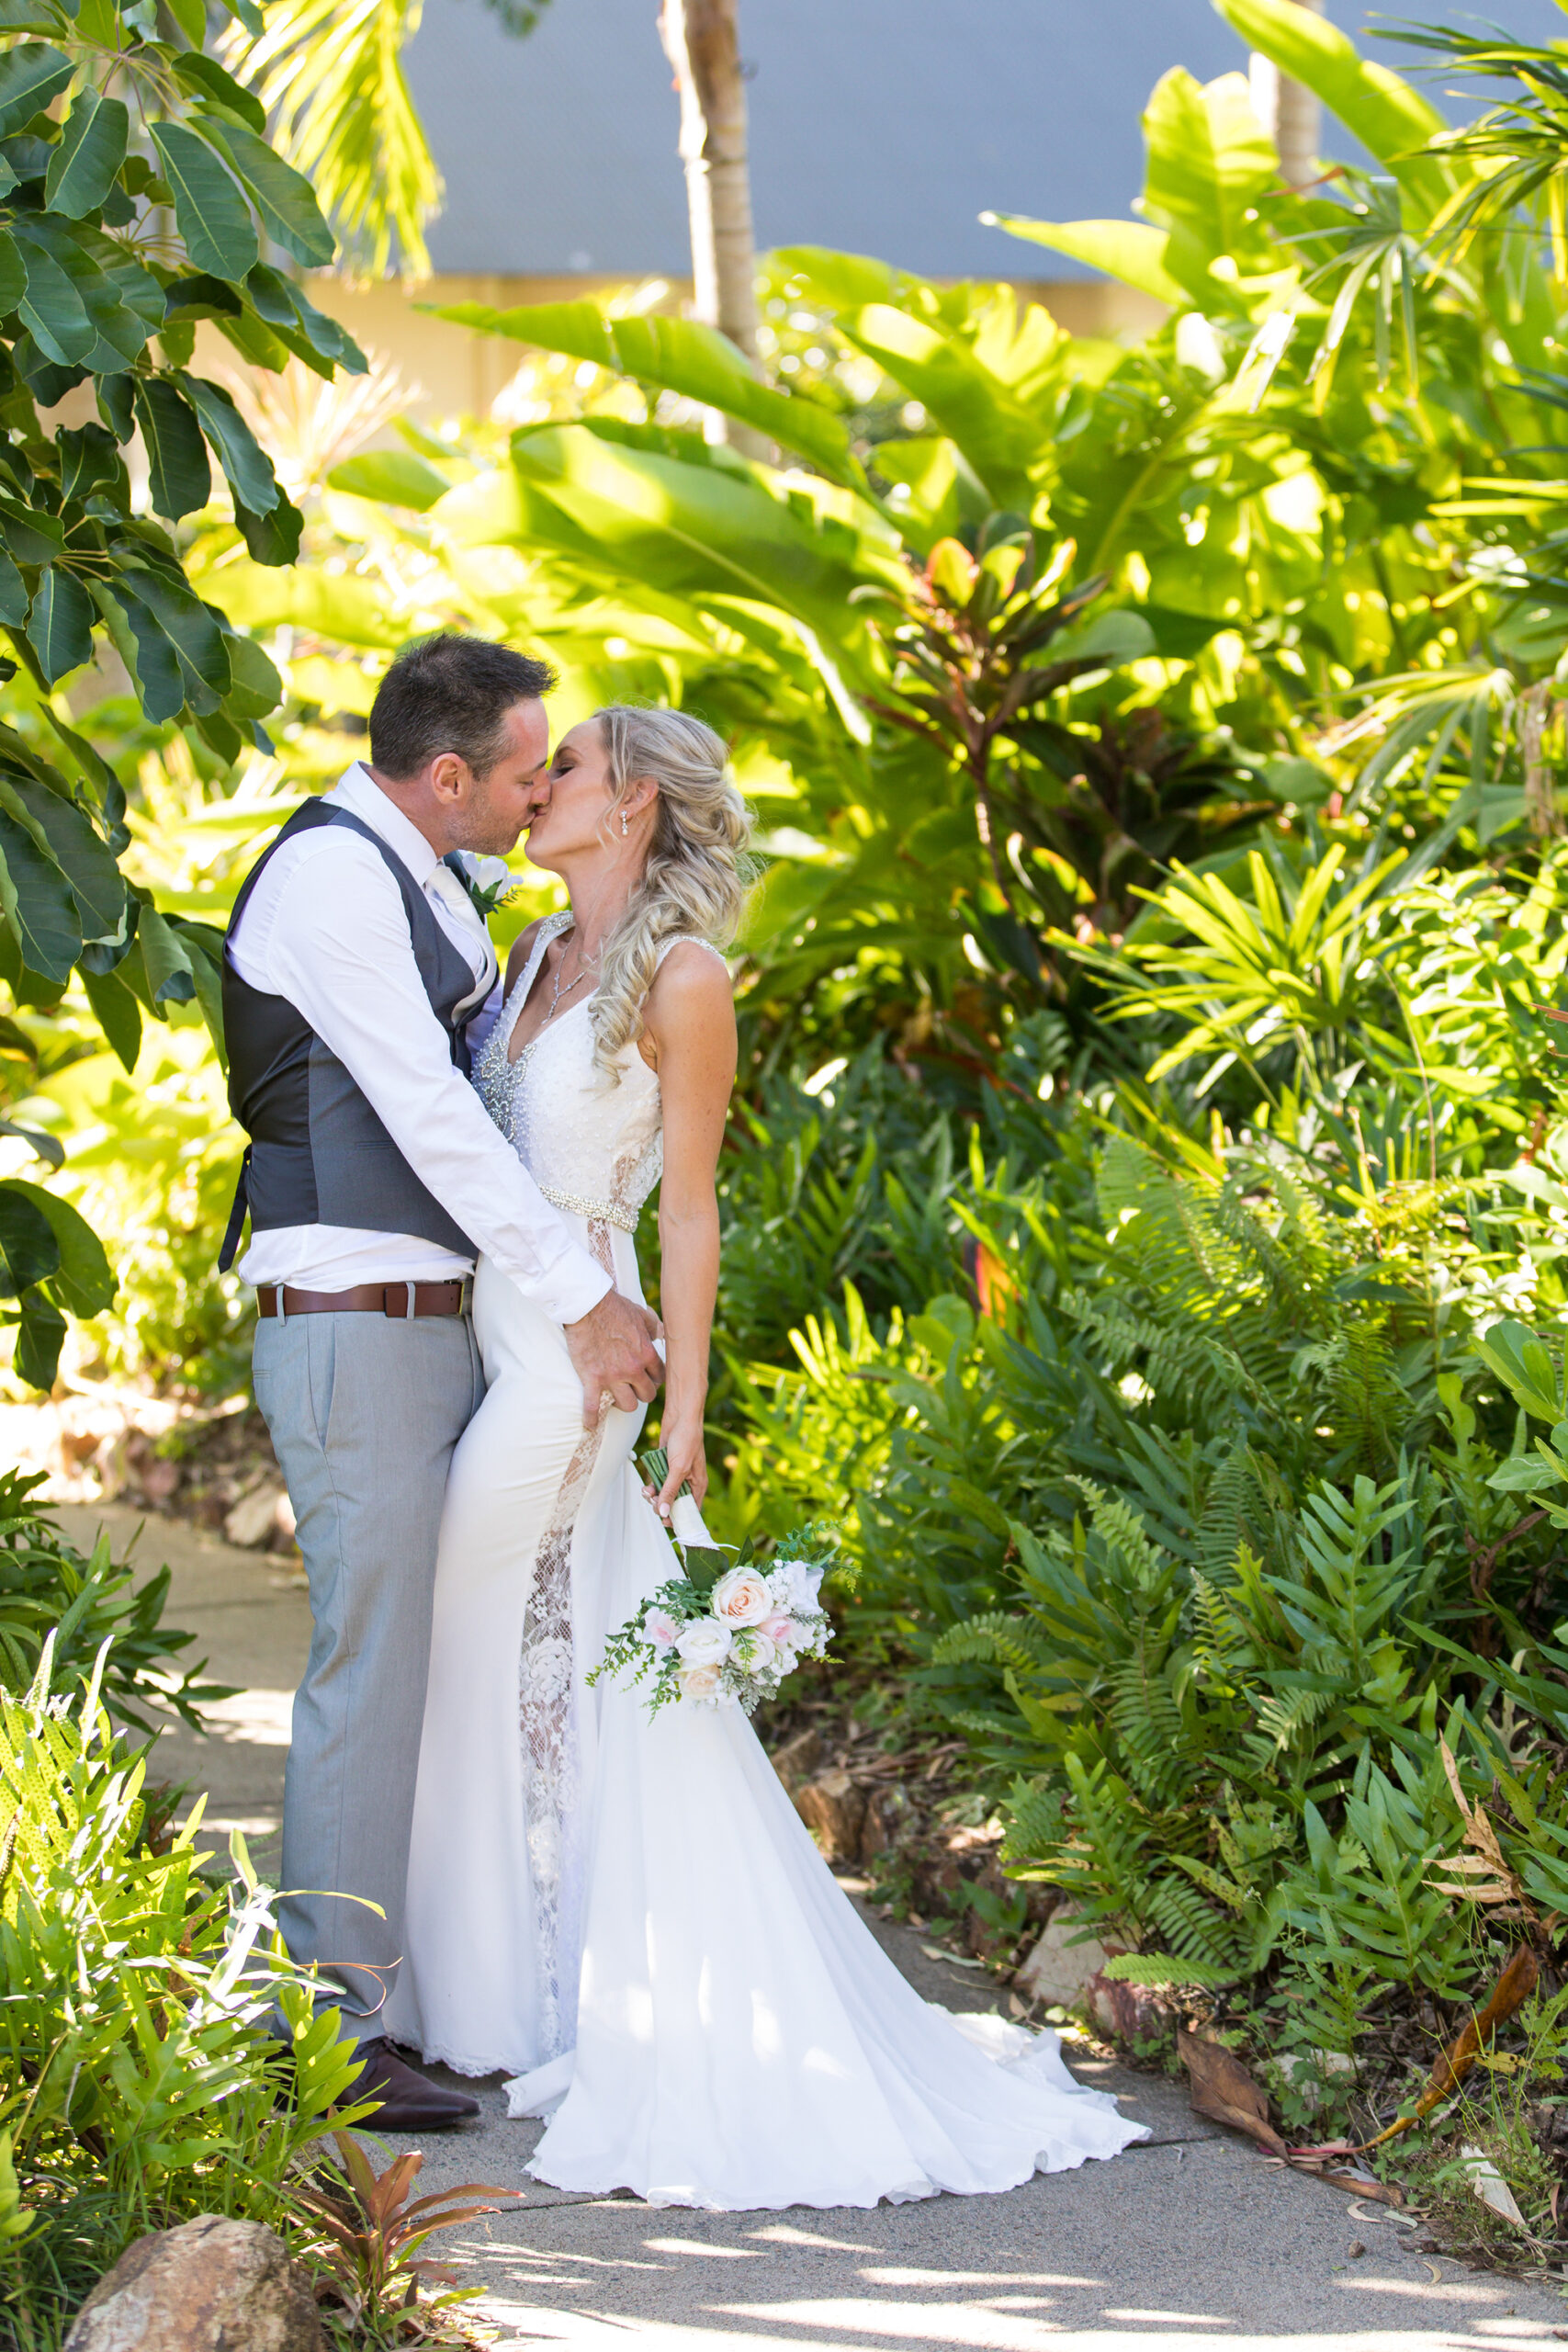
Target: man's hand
612,1350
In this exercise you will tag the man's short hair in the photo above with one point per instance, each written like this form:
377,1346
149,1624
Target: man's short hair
450,694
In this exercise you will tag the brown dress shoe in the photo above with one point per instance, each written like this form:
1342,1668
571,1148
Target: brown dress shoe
405,2101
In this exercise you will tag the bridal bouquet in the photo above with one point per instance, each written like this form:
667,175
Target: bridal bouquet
728,1630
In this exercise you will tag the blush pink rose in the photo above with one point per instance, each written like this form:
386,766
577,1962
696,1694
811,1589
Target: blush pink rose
659,1628
741,1598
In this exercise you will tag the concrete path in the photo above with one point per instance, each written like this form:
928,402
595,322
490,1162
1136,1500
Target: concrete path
1185,2239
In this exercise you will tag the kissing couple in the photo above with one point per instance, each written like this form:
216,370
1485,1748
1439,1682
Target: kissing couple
622,1914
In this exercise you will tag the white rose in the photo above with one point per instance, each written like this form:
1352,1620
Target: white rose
741,1598
754,1652
705,1642
798,1583
699,1682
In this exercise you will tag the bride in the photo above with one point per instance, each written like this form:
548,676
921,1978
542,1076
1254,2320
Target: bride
625,1914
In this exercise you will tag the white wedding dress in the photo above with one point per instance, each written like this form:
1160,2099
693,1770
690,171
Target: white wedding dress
624,1914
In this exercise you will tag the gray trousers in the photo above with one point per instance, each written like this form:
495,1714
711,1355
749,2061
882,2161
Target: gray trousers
363,1412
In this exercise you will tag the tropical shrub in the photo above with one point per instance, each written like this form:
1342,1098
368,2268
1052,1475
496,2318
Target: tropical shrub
139,2081
100,1627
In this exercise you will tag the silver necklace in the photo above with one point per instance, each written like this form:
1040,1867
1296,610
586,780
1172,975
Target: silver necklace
557,992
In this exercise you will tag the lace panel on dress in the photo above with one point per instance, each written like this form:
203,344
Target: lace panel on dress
551,1770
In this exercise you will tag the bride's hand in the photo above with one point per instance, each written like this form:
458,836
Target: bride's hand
682,1437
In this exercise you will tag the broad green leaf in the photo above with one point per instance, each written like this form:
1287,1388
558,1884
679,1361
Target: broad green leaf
210,208
51,310
204,948
118,1015
115,406
684,530
318,338
60,626
45,1146
1526,1475
89,459
392,476
1524,1366
27,1246
91,150
350,610
844,282
1388,118
29,534
996,432
245,463
79,850
1131,251
283,196
273,537
39,903
199,295
1208,161
150,657
180,478
125,303
13,274
255,687
204,78
84,1281
1111,637
164,960
197,638
14,598
40,1338
31,75
679,355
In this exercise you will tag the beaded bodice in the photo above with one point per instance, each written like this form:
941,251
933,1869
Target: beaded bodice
589,1146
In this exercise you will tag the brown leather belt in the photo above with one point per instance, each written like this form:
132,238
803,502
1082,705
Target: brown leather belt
401,1301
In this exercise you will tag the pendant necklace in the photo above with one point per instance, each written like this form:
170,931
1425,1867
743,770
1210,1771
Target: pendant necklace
557,992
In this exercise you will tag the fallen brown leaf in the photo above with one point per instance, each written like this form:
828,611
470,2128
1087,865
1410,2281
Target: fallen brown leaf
1359,2186
1511,1991
1220,2088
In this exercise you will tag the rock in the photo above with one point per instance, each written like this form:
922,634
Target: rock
1058,1971
1305,2070
833,1809
797,1760
212,2285
255,1517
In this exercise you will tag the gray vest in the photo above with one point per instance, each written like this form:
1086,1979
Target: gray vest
318,1153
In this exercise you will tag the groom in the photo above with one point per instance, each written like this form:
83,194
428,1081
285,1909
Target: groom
356,961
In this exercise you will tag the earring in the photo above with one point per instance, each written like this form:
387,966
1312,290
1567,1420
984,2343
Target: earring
624,826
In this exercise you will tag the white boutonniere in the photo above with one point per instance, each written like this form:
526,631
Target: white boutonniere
487,880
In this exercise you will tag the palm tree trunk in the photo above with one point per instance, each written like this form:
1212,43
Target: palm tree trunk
1289,114
702,42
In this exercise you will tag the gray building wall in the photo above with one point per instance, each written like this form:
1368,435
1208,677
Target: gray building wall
878,126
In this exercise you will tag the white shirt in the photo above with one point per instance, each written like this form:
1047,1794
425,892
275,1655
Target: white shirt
325,928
